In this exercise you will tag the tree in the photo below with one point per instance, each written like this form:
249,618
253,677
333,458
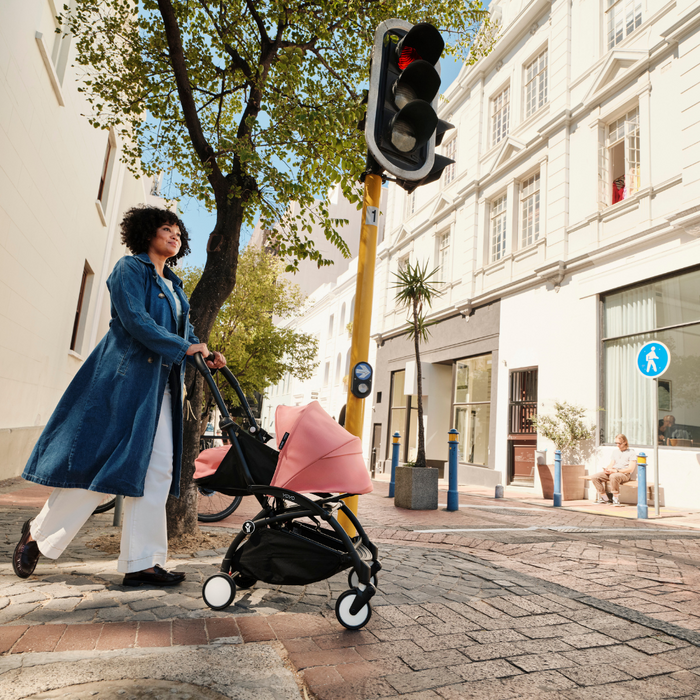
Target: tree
258,350
247,105
416,291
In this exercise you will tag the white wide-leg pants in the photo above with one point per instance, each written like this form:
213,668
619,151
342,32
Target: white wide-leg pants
144,541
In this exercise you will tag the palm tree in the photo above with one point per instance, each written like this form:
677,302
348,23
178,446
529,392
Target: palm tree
416,289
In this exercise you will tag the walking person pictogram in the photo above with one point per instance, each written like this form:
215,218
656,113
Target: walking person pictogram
651,356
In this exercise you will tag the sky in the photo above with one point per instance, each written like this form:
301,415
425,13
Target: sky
200,222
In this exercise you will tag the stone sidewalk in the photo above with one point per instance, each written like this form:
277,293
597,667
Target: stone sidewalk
500,599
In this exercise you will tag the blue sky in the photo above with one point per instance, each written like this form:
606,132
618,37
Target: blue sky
200,223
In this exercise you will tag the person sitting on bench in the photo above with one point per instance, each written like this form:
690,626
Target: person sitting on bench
619,471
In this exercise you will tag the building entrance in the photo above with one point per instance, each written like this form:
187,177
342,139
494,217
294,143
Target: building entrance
522,436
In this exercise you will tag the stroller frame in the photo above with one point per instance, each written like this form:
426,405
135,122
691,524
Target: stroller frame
331,545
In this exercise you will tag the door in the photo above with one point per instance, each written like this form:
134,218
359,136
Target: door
522,436
376,445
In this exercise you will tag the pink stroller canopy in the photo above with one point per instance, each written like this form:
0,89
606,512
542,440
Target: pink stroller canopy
319,455
209,460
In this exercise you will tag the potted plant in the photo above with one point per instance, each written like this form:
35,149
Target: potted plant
416,289
567,430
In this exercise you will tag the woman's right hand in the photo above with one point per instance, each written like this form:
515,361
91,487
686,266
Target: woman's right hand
199,347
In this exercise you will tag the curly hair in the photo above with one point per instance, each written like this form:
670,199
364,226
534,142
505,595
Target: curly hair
140,224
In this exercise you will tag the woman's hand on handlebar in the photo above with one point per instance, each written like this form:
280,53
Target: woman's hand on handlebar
218,361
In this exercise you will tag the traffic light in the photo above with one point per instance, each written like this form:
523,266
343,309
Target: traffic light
361,384
402,126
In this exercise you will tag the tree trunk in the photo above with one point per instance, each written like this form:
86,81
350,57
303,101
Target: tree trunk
420,457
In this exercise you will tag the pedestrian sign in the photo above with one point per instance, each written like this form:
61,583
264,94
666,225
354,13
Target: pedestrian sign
653,359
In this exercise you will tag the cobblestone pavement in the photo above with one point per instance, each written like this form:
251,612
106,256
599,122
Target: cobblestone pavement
497,600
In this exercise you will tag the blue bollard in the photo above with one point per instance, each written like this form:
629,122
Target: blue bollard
394,461
557,479
642,508
453,491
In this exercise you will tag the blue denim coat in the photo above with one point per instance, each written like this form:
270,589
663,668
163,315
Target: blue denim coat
100,436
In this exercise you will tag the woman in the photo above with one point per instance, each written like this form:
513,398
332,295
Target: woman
618,472
118,427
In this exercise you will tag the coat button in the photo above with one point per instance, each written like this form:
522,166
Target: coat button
150,359
161,296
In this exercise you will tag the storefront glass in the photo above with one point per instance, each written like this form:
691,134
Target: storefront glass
472,408
666,310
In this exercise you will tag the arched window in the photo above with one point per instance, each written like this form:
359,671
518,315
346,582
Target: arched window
337,369
347,364
342,318
352,311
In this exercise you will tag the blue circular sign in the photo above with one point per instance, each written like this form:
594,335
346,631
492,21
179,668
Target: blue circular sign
363,370
653,359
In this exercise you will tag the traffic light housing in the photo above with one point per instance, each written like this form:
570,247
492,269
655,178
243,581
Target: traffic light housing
402,125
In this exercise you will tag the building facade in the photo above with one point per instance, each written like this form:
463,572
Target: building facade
566,235
63,191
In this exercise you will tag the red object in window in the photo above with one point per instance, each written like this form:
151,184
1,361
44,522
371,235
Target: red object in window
408,55
618,190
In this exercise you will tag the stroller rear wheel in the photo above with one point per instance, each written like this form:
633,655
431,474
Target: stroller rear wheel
354,579
219,591
345,617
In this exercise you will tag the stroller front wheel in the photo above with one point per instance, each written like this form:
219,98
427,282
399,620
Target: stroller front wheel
354,579
345,617
219,591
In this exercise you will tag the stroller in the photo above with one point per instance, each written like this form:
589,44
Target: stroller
295,539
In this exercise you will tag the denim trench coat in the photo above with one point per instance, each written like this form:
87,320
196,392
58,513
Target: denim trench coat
100,437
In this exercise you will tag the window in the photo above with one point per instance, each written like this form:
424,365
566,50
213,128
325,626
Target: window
472,408
54,45
501,116
341,325
80,322
667,310
411,203
536,84
326,374
403,261
530,207
338,361
330,325
620,164
443,256
624,16
523,402
451,152
403,418
106,174
498,228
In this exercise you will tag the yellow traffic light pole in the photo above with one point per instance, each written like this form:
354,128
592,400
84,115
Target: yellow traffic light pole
362,319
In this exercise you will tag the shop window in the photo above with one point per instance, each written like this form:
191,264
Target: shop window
623,17
81,312
619,163
536,84
472,408
500,116
403,418
530,210
450,152
498,228
667,310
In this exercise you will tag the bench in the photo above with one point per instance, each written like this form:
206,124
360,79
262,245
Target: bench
628,492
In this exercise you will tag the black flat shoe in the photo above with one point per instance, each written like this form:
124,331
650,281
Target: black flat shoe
26,553
160,577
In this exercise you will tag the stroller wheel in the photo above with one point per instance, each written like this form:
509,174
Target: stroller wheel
219,591
345,617
244,581
354,579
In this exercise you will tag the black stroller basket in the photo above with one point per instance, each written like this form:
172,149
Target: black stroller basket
295,539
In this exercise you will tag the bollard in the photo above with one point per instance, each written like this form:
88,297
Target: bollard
499,491
394,461
453,491
557,479
642,508
118,505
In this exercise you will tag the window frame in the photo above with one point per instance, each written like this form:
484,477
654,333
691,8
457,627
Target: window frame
541,76
624,136
535,195
450,151
498,212
610,16
500,115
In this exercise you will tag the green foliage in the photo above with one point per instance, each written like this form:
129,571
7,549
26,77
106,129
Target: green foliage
255,102
416,289
258,351
566,428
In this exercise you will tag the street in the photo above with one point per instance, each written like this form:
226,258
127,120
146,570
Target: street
501,599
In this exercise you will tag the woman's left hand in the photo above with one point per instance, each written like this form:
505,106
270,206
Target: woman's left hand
219,361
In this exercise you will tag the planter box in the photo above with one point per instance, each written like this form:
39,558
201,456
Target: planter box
573,487
416,488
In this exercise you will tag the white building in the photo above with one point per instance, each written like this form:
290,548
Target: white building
63,191
567,235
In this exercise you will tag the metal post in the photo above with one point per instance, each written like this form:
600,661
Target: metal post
655,438
642,509
557,479
453,490
118,504
396,443
362,319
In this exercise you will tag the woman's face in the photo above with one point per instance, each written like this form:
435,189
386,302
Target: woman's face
166,242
